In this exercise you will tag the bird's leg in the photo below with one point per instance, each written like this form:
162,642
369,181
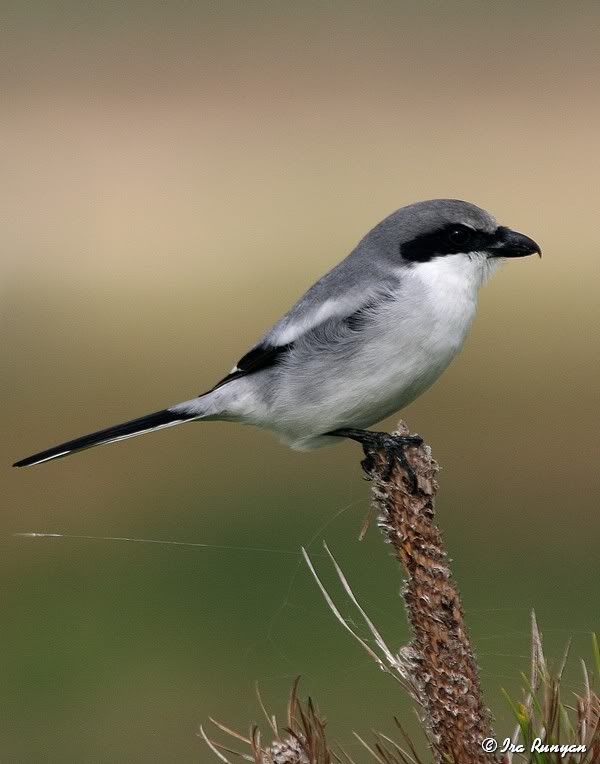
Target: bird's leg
392,446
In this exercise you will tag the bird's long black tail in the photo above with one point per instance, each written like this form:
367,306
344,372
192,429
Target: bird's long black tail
155,421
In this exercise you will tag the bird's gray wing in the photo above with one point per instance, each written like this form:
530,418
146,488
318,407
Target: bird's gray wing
342,296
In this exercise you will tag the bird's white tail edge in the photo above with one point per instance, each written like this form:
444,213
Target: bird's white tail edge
158,420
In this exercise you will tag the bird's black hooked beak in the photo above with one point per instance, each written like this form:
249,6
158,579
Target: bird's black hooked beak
509,243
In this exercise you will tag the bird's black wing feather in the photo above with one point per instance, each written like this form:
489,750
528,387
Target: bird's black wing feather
265,355
260,357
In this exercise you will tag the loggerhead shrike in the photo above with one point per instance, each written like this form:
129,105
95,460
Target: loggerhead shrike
362,343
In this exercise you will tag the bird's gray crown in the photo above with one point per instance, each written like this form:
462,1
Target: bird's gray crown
424,217
432,228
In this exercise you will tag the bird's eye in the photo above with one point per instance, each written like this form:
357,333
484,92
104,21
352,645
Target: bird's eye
460,236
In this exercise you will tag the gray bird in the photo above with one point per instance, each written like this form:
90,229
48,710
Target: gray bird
363,342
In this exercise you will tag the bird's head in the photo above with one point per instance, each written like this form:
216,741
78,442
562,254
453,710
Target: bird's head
450,230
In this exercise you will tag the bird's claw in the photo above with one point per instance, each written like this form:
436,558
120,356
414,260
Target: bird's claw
392,446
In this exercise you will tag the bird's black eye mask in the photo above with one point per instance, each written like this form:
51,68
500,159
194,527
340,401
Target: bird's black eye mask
450,240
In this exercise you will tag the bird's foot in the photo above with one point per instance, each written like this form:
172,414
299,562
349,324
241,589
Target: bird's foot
391,446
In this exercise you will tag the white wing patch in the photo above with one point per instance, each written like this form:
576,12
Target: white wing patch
295,327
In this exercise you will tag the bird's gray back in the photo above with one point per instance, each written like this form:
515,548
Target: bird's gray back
374,265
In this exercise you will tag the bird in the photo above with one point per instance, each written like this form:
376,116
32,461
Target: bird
363,342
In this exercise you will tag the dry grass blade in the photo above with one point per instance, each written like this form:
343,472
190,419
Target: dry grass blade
368,748
229,731
405,757
212,746
302,741
271,719
392,659
537,651
552,731
339,616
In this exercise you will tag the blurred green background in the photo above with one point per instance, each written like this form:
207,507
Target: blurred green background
174,176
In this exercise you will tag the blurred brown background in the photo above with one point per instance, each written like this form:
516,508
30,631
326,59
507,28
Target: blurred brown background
174,176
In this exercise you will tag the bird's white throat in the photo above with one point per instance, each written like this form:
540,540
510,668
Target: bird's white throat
464,274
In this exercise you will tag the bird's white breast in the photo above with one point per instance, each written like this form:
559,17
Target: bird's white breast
419,331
